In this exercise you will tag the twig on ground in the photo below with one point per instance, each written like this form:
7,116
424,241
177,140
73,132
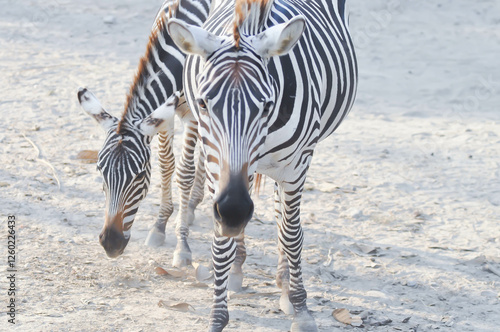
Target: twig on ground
43,161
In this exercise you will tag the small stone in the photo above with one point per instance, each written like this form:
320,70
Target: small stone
418,215
411,283
109,19
488,293
353,213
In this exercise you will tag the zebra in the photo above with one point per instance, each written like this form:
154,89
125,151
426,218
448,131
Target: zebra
267,81
124,160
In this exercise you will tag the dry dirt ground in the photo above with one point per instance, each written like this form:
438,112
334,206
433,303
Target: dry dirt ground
401,210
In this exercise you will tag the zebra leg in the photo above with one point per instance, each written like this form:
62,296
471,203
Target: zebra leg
197,192
283,282
185,179
283,274
156,235
223,256
236,274
291,238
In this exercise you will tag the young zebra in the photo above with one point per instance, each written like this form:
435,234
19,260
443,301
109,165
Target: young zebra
124,160
263,105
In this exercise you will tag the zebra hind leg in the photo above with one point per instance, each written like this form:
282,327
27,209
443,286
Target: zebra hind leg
291,238
185,179
235,280
156,235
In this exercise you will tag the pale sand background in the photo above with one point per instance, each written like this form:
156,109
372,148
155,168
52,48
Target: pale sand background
404,197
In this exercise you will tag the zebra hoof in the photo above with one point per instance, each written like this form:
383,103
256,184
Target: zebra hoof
155,238
304,322
285,304
182,259
234,282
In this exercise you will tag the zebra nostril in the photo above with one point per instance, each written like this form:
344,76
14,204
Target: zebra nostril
234,207
217,215
81,92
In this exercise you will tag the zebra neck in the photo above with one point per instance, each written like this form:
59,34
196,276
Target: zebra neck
159,73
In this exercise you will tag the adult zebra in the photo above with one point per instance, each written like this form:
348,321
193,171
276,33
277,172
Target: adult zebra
124,160
262,113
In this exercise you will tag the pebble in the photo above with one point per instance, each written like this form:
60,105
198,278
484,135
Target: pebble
109,19
376,294
488,293
353,213
411,283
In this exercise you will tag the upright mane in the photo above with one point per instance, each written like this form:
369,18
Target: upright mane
142,77
249,16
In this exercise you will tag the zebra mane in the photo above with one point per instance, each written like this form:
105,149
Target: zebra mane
249,16
142,77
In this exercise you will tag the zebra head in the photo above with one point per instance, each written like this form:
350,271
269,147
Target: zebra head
235,99
124,163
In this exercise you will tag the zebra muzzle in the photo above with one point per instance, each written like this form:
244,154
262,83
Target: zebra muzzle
233,208
113,241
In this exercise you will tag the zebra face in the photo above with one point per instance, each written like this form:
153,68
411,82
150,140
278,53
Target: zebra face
235,101
124,163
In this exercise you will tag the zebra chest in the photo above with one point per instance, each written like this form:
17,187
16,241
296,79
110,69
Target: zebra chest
277,165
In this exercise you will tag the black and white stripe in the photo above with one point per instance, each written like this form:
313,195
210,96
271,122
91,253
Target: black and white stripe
125,158
265,115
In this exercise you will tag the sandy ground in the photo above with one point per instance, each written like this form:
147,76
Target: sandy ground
401,210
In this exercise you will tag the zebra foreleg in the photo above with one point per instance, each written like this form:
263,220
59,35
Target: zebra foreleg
197,192
236,274
283,282
291,238
156,235
185,179
223,256
283,274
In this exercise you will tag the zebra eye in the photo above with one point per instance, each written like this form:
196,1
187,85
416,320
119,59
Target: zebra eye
141,175
202,105
267,108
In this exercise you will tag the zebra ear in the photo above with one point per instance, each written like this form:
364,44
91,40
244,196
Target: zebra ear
93,107
161,119
192,39
279,39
